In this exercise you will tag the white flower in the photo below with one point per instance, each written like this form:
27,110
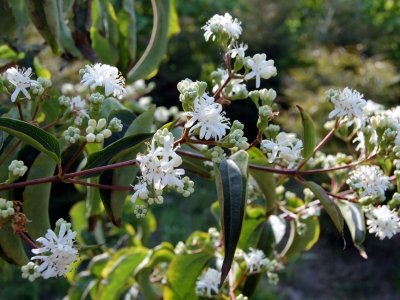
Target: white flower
78,109
133,292
237,50
286,146
255,260
209,117
368,181
207,282
56,253
222,23
236,84
383,222
348,104
310,211
21,80
30,271
260,68
158,168
104,75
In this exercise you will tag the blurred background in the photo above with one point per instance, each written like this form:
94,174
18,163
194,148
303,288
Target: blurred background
316,45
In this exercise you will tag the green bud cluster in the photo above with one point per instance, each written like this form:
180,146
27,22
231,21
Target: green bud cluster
44,82
264,112
216,154
187,188
331,94
272,131
6,208
267,96
61,221
64,101
115,125
140,211
395,201
190,91
37,89
30,271
96,99
17,168
160,135
73,135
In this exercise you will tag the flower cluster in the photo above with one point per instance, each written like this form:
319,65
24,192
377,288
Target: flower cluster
159,171
208,118
96,131
219,25
57,252
260,67
78,109
286,147
368,181
21,80
6,208
17,168
383,221
208,282
102,75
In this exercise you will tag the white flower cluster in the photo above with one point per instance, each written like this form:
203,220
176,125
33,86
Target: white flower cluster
286,147
222,24
159,171
368,181
21,80
102,75
207,115
57,252
383,221
260,67
208,282
348,105
30,271
77,107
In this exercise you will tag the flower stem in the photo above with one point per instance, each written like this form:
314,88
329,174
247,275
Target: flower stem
27,240
73,159
20,111
35,112
100,186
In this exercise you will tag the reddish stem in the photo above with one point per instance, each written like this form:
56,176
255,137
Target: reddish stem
101,186
27,240
35,112
20,111
73,158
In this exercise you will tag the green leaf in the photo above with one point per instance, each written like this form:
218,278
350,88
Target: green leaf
102,157
173,27
232,197
93,200
37,197
309,138
148,64
266,181
182,275
330,206
97,263
297,243
77,214
33,136
11,249
119,272
353,214
84,282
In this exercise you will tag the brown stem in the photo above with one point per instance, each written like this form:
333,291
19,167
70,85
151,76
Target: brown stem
10,152
20,111
100,186
35,112
100,169
73,158
27,240
257,140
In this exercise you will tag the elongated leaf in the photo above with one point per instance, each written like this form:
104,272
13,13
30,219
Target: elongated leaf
353,214
309,138
37,197
233,176
266,181
33,136
147,65
297,243
83,283
102,157
328,203
119,272
182,275
11,249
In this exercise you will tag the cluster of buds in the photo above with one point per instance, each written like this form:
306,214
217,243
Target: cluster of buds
6,209
96,131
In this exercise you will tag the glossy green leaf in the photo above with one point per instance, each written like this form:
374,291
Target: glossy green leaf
37,197
182,275
328,203
266,181
232,197
309,137
93,200
11,249
298,243
112,286
97,263
33,136
353,214
83,283
148,64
